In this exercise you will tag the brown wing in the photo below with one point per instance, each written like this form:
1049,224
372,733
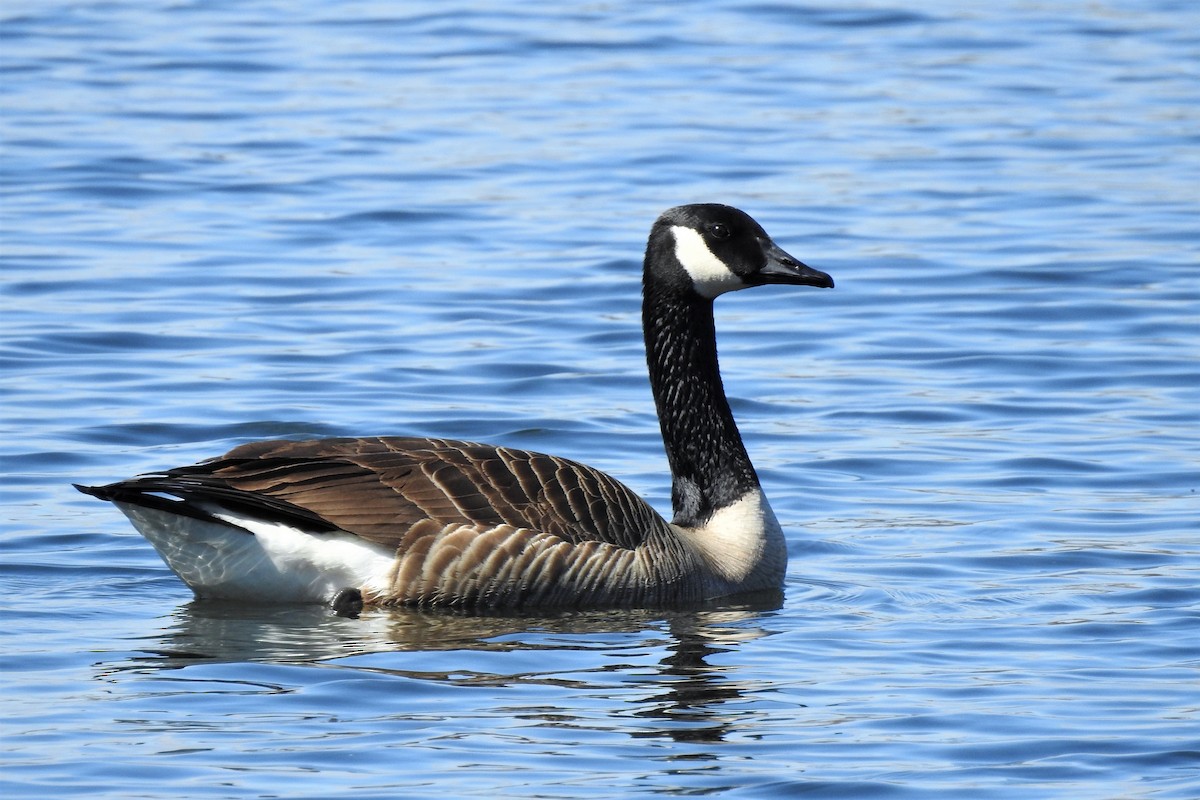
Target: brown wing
377,488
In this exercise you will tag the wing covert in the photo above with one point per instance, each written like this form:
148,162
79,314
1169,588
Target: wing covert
378,488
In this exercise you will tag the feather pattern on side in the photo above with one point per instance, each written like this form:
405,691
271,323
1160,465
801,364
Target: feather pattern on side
470,525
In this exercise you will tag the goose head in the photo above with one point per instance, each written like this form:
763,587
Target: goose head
708,249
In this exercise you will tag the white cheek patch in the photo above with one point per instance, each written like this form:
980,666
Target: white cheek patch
710,275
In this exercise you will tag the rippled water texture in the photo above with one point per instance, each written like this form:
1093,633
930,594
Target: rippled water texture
228,221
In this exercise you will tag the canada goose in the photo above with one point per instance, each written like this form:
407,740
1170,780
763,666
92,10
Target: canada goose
434,522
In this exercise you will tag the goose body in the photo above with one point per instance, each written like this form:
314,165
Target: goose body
437,522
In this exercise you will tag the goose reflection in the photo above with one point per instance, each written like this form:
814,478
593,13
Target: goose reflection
692,692
647,671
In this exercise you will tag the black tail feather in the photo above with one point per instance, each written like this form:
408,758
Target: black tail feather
190,497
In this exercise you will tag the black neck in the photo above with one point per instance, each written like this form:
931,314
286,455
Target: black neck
709,465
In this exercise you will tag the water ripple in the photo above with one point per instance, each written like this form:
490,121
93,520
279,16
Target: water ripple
221,223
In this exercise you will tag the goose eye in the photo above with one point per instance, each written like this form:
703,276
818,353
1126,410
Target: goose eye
719,230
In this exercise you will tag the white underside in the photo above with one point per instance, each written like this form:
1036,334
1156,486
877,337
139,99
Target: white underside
261,560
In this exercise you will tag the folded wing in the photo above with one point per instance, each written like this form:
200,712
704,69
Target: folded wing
377,488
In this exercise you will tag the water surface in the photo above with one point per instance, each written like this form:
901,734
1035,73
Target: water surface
228,222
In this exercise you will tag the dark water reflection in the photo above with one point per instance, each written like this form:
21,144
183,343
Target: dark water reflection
217,631
675,689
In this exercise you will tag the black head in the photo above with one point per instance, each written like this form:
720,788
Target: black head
710,249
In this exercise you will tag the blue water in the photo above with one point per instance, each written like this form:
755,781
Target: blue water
230,221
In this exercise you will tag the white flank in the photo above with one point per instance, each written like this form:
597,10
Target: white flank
710,275
742,544
262,561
